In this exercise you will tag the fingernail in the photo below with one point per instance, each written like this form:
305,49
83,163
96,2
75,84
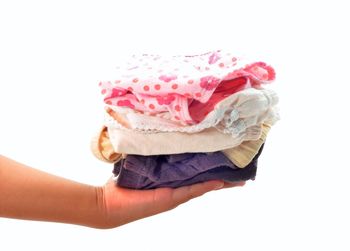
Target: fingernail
219,186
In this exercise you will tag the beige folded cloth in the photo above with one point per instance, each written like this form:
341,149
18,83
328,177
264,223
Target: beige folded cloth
240,155
243,154
102,148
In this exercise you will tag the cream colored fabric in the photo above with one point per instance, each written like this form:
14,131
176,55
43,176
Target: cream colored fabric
102,148
243,154
240,155
208,140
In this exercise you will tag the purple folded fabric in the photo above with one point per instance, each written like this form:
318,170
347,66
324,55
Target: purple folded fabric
147,172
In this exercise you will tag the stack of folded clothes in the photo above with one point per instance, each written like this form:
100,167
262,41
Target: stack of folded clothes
180,120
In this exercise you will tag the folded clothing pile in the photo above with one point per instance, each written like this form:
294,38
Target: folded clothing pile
180,120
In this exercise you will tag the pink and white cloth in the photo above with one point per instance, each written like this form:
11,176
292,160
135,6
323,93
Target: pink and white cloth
179,85
232,115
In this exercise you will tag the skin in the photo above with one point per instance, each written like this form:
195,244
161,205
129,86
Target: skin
30,194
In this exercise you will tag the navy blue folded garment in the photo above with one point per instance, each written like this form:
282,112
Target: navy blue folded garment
176,170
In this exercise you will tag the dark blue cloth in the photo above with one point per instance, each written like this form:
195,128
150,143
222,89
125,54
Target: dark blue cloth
147,172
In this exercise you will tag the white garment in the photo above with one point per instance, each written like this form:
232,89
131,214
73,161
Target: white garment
231,115
208,140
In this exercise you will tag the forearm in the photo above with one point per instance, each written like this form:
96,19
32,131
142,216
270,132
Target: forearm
27,193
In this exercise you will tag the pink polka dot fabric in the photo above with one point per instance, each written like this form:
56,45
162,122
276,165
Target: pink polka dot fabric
156,84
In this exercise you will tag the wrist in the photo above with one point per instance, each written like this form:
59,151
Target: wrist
97,216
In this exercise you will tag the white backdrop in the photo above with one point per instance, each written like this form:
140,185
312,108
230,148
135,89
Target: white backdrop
54,53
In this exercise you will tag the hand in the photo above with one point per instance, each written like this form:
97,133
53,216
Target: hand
30,194
120,206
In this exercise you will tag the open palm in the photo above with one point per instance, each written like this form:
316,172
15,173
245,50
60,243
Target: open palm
121,205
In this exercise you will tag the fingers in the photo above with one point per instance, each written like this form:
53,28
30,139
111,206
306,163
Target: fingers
164,199
184,194
234,184
167,198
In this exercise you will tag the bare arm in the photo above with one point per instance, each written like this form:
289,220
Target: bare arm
30,194
27,193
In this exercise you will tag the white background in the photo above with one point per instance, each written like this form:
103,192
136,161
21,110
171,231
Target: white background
54,53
